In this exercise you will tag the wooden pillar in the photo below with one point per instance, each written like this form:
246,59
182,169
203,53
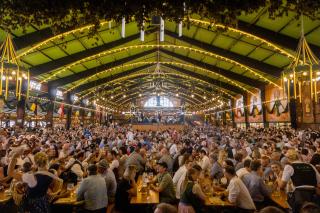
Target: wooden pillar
233,106
21,105
293,108
224,118
82,114
69,110
51,95
264,107
246,116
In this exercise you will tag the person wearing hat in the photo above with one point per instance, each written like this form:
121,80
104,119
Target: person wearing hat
108,175
300,179
164,184
93,191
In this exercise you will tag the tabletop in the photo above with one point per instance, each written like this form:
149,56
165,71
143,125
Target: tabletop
70,200
151,197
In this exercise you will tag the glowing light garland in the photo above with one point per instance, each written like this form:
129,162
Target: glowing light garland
166,46
167,62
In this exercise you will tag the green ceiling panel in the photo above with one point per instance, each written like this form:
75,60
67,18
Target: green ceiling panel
314,38
277,60
204,36
106,59
65,39
223,41
36,58
131,29
242,48
91,42
64,74
238,70
274,25
189,32
170,25
19,32
248,17
120,55
294,29
224,65
260,54
78,68
250,40
74,47
91,64
210,60
109,36
54,52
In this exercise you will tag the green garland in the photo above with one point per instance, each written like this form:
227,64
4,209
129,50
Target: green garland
64,15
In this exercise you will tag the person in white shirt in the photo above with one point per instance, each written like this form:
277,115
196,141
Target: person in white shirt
180,176
245,170
173,149
238,193
205,161
115,162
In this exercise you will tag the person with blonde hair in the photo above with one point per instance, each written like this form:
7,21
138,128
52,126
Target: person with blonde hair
37,184
126,189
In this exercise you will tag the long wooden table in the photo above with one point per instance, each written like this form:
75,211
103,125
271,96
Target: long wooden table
70,200
152,197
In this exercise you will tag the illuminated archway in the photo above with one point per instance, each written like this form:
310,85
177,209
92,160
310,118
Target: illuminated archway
159,101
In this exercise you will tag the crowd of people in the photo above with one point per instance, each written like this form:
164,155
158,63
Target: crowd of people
242,166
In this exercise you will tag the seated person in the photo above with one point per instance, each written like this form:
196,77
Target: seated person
164,184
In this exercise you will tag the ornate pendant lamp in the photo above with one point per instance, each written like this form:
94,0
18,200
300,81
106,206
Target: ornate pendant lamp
303,70
10,72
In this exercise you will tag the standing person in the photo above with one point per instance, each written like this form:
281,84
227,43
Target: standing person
192,197
137,159
36,200
126,189
238,193
93,191
165,187
111,183
122,161
300,179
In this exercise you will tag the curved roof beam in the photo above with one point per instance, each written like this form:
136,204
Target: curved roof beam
245,60
171,79
172,82
164,46
89,91
243,31
230,82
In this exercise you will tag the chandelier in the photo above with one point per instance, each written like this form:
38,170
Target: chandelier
302,72
10,73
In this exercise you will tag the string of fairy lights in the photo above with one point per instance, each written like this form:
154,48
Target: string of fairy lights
218,104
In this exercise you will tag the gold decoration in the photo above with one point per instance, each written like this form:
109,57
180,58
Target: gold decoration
10,69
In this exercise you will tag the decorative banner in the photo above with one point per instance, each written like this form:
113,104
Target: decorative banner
255,106
277,105
61,111
239,109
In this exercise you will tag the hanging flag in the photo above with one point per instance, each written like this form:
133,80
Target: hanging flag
33,107
77,113
61,110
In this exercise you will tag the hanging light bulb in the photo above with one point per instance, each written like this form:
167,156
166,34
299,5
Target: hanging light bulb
124,96
192,95
140,95
112,97
180,29
161,29
123,27
142,32
177,94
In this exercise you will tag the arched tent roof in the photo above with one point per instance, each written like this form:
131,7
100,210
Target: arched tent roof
207,60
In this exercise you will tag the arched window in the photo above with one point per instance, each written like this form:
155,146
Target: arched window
163,102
